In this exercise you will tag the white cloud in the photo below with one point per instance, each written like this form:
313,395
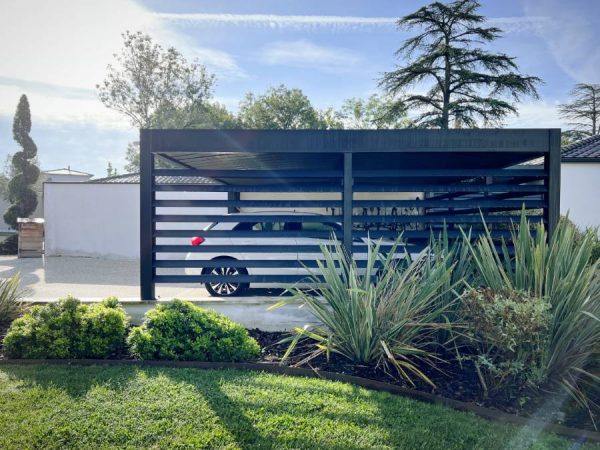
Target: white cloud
512,24
571,36
305,54
536,114
278,21
59,50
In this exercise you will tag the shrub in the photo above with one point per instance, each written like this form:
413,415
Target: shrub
507,332
183,332
68,329
11,306
561,270
384,315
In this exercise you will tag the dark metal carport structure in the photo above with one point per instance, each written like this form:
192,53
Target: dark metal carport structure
455,173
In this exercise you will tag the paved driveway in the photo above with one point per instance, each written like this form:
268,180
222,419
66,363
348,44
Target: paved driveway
87,278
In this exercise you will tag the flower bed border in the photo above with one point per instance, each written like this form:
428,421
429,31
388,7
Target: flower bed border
486,413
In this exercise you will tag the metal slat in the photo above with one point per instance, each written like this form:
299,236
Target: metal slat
283,279
434,173
250,203
249,174
426,203
259,248
466,187
247,218
185,187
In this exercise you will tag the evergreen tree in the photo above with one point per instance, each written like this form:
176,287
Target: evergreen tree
20,193
467,83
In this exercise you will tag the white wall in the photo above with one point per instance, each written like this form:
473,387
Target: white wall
580,192
103,219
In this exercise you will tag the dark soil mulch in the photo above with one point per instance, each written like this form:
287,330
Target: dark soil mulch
451,381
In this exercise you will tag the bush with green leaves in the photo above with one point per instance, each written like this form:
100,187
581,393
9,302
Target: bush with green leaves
11,305
506,332
561,270
181,331
387,314
68,329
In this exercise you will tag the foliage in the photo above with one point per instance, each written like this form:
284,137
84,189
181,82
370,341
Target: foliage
508,331
583,110
68,329
57,407
374,112
468,83
110,170
181,331
22,197
388,322
282,108
10,245
559,270
11,294
148,82
591,234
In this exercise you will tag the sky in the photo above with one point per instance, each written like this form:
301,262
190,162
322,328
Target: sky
57,51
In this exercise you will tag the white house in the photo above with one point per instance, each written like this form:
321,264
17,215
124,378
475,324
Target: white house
46,176
580,182
101,218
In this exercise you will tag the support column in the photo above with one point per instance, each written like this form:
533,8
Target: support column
347,202
552,183
147,270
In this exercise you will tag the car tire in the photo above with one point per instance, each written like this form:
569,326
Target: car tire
225,289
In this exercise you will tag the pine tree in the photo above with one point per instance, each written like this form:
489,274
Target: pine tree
468,84
22,197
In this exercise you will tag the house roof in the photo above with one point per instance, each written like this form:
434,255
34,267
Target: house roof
585,150
134,178
66,171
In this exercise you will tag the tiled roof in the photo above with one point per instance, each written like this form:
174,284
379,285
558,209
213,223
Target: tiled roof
134,178
587,149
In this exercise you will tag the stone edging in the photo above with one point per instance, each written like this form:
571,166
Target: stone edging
487,413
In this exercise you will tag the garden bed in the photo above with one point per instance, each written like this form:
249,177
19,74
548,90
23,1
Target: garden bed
452,382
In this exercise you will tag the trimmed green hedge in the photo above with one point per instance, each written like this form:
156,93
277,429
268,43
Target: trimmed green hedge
68,329
181,331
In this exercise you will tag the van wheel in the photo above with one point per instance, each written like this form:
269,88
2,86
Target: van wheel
225,289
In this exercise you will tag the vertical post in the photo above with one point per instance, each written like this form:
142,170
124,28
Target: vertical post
146,217
552,183
347,202
232,197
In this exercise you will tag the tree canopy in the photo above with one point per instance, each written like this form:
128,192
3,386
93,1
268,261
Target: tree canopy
150,84
283,108
583,111
374,112
452,77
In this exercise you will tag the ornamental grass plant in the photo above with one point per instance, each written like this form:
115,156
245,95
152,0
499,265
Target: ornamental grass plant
386,314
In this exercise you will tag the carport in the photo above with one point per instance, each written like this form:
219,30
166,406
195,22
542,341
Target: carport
362,179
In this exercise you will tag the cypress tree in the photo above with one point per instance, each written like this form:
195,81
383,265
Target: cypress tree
22,197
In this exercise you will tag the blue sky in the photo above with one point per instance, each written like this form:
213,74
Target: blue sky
331,49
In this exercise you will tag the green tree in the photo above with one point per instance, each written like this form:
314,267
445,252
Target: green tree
148,82
283,108
110,170
374,112
467,84
583,111
25,174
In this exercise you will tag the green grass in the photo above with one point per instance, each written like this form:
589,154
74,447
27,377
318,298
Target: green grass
46,406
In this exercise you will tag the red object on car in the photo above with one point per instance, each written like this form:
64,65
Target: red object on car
197,240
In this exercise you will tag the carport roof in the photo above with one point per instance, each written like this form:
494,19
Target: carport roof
212,153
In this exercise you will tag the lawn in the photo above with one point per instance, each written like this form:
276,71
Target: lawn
123,406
